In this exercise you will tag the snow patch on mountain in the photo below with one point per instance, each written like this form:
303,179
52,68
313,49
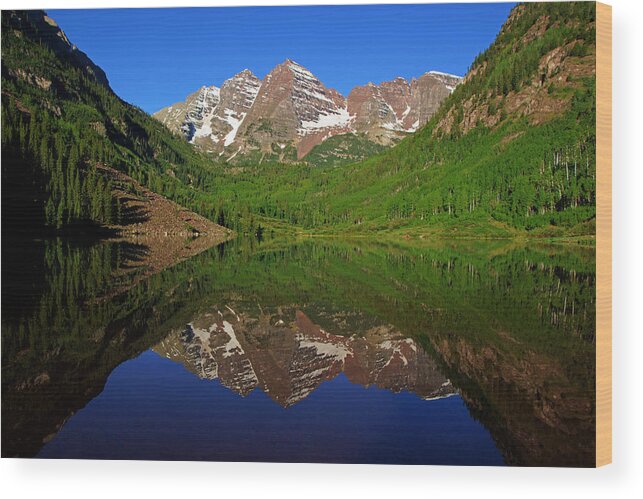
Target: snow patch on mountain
235,123
337,351
339,118
440,73
233,346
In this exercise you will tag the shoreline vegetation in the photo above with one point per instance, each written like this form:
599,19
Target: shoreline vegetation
459,232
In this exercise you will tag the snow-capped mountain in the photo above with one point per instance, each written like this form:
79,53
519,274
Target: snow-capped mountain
291,111
211,116
288,359
293,108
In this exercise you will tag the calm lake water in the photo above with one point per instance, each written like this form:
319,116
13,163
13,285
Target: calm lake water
475,353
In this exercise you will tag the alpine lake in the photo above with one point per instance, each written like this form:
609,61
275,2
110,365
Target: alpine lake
302,350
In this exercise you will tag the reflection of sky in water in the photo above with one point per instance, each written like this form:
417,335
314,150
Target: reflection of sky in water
153,408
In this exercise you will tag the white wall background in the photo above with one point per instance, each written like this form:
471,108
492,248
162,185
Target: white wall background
109,479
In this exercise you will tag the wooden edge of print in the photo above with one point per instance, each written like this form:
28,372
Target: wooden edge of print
603,234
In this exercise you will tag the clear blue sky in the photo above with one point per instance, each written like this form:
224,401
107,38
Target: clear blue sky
155,57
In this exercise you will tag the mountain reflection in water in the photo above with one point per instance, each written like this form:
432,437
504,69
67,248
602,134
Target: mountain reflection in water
288,360
468,353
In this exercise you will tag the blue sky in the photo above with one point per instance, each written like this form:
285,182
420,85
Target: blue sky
155,57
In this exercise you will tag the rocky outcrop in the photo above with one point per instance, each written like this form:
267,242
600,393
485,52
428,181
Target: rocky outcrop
545,95
388,111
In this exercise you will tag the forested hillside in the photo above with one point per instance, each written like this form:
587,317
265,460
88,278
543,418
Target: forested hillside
343,150
60,118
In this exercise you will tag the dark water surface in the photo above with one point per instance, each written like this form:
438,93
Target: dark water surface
314,351
152,408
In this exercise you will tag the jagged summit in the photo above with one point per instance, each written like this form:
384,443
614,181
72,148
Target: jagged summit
245,72
292,64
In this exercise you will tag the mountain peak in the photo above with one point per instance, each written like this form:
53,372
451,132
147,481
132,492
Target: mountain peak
245,73
297,68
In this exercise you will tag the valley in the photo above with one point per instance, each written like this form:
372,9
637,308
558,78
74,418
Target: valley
506,152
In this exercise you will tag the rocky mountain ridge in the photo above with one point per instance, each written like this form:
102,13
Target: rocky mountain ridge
289,112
